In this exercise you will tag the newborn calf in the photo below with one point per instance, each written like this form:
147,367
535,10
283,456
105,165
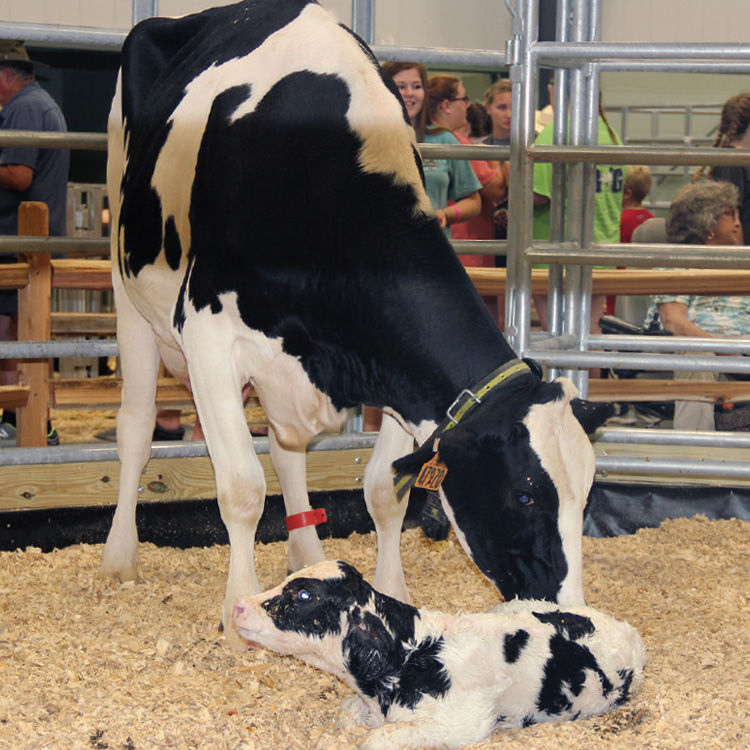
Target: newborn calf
427,679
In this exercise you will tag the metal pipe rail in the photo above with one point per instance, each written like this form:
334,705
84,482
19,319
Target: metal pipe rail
44,139
463,151
48,349
681,467
66,37
600,52
111,40
644,256
640,361
669,344
95,452
692,156
696,439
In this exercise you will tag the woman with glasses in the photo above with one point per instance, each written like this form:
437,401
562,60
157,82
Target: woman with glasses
445,179
702,213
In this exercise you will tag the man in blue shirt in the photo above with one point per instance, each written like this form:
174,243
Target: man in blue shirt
26,174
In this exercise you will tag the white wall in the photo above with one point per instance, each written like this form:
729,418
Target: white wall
480,24
675,21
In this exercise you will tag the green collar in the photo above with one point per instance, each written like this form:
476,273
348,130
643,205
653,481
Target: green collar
465,402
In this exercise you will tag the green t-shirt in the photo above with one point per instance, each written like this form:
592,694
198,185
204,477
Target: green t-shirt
608,198
447,179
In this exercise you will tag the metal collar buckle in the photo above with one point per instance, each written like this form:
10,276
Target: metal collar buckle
467,392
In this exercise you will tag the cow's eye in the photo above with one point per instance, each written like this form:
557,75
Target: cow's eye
525,499
304,594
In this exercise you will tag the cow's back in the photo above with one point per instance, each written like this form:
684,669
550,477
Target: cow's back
271,170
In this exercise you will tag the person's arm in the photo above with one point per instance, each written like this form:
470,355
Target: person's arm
15,176
675,320
540,200
496,189
462,210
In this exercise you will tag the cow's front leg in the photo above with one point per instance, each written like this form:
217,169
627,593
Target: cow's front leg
291,469
386,510
240,482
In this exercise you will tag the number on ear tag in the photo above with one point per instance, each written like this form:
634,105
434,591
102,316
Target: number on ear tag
432,474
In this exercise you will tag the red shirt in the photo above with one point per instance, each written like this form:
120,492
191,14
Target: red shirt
483,226
630,220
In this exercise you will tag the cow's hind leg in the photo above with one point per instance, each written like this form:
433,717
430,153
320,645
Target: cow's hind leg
139,359
387,512
291,469
240,483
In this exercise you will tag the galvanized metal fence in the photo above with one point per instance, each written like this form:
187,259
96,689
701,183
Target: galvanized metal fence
579,58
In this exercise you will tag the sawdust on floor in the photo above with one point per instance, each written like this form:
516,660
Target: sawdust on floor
88,663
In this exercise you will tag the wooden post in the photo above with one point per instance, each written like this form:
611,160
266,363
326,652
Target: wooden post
34,325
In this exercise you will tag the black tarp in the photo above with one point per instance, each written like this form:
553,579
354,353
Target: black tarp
613,509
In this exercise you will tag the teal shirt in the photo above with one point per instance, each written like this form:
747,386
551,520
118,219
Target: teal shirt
447,179
608,198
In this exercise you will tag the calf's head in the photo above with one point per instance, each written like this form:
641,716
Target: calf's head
323,614
519,470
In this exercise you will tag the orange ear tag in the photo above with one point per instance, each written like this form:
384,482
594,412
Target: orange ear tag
432,474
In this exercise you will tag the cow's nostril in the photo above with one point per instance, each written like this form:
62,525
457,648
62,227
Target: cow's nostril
238,609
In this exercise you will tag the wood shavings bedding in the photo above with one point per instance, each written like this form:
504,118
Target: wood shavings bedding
88,663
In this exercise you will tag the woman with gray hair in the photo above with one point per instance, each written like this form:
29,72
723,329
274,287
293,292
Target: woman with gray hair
703,213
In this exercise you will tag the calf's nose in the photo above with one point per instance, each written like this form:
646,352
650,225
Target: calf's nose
238,609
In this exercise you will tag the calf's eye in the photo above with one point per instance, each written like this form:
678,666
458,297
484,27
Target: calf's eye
525,499
304,595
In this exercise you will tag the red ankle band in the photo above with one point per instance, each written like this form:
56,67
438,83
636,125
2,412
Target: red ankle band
306,518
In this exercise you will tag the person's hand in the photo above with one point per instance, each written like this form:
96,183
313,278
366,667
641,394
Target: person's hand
442,217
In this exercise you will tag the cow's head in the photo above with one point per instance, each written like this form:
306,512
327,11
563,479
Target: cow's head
520,468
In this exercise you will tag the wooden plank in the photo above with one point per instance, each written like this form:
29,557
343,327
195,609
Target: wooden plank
83,324
629,281
14,275
72,485
78,273
13,396
34,325
105,393
668,390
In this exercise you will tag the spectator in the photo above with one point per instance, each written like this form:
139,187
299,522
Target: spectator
445,179
498,99
702,213
734,132
26,174
478,124
635,189
448,107
607,207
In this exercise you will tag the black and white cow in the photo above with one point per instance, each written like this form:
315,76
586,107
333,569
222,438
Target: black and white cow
272,227
429,679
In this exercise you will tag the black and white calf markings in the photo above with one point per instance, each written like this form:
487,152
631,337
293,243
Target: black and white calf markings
272,228
428,679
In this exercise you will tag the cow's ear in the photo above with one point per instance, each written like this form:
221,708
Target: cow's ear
569,390
590,415
448,445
